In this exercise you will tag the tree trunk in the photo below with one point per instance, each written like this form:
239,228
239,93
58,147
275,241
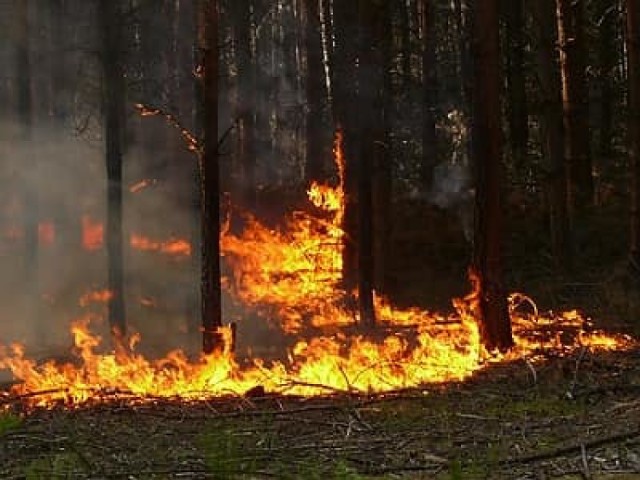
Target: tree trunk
571,38
210,179
516,81
316,92
552,130
383,174
114,111
429,92
246,102
607,58
343,75
633,61
495,324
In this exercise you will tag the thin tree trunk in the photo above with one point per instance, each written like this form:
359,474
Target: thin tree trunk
495,324
382,180
633,61
343,74
607,59
316,92
575,104
246,102
210,179
114,110
552,130
517,111
429,92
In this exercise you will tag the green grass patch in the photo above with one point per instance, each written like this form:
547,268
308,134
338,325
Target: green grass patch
9,421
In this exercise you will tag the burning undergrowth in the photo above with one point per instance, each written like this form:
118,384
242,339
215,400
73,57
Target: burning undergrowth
291,276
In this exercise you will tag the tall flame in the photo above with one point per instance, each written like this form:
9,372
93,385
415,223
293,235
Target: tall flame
293,274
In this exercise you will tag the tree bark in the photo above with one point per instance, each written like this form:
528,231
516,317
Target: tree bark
633,61
495,324
210,179
571,38
114,112
429,92
552,130
607,58
343,85
316,92
246,102
517,111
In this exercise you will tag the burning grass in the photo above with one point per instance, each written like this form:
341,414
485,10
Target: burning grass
292,275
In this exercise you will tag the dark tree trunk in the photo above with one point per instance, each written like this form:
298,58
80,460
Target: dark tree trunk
316,92
571,38
552,130
114,112
343,74
430,92
382,180
517,111
461,8
405,39
371,145
246,102
59,99
633,60
607,53
495,324
210,179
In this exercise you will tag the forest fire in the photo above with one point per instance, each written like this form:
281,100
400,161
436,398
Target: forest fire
293,274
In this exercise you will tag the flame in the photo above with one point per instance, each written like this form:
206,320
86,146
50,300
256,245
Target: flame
292,273
176,247
92,234
46,233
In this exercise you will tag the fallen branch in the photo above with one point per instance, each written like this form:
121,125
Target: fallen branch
573,448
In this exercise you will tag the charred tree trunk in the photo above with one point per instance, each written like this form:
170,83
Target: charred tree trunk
552,130
633,59
210,179
343,75
114,119
430,92
607,58
571,38
517,111
382,180
495,324
316,92
371,145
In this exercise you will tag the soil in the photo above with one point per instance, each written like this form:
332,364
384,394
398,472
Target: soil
575,417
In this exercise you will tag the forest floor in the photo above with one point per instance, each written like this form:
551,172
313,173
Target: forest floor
563,418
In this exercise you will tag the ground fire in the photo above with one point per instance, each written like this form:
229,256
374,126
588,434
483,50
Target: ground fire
291,276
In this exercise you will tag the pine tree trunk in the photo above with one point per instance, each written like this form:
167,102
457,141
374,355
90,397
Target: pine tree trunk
552,130
571,38
316,92
343,76
246,102
495,324
114,111
210,188
430,92
607,58
517,111
633,61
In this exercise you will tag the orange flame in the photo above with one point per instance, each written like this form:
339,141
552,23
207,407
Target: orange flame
294,272
46,233
92,234
175,247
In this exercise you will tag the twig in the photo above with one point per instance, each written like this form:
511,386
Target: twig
578,447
